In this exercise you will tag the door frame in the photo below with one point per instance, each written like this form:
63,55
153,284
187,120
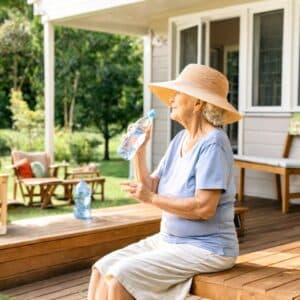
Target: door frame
239,11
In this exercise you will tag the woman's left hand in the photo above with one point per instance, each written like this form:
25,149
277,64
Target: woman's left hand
138,191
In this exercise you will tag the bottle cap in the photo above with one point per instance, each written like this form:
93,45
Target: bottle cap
151,113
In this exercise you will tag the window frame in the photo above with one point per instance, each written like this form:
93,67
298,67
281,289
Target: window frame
286,59
179,28
296,59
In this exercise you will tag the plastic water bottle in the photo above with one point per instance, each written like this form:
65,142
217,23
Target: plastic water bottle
82,196
135,136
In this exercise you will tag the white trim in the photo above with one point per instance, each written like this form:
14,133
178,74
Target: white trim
266,115
296,57
171,36
66,10
181,27
243,80
285,76
207,41
147,93
147,98
49,87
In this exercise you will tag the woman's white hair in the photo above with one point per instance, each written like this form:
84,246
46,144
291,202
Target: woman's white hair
213,114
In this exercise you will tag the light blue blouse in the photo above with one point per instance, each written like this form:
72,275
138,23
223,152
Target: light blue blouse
208,165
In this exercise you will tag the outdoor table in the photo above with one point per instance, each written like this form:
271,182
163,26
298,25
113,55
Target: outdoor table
47,187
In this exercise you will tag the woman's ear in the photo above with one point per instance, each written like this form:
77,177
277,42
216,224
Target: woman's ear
198,106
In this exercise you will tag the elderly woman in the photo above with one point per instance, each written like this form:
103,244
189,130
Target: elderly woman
193,185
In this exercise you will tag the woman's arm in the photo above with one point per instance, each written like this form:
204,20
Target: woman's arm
202,206
141,171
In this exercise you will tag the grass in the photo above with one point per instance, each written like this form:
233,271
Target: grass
6,298
115,171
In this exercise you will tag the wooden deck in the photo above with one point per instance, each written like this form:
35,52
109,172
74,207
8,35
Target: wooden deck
268,268
42,247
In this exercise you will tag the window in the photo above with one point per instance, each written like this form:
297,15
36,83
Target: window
267,58
188,53
188,46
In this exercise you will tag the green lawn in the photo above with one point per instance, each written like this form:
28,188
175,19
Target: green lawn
115,171
6,298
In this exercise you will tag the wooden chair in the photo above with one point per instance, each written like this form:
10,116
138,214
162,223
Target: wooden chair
282,167
28,186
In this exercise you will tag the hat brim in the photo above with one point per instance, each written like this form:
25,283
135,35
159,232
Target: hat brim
166,90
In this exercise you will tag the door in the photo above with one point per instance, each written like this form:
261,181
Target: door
214,43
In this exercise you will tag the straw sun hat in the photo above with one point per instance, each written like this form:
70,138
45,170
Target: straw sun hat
201,82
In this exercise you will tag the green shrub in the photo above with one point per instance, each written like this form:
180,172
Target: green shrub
80,147
62,147
4,146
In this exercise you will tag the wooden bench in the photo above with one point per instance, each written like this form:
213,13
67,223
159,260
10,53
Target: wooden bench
270,274
284,167
93,181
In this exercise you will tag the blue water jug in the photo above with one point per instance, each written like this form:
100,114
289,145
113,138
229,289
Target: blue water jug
135,136
82,198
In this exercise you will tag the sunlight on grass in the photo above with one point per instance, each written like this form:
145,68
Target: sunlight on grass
114,171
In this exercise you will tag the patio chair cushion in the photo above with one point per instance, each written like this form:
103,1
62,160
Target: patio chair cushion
277,162
38,169
23,168
33,156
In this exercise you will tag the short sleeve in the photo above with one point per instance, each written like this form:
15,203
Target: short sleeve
212,168
158,172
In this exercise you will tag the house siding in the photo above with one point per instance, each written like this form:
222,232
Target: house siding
159,73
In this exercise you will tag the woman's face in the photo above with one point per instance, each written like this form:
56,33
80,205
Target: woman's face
183,107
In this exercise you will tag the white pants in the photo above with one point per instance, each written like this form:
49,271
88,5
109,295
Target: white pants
152,269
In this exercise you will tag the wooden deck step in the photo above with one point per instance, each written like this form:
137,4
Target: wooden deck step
43,247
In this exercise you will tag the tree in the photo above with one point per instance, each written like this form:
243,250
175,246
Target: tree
114,91
98,75
15,40
18,58
71,49
24,119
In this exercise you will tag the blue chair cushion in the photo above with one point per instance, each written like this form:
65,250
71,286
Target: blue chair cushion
38,169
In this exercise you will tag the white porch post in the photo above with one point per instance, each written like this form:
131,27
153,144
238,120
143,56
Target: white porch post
49,87
147,96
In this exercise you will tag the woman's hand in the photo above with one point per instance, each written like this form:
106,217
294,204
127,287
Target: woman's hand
138,191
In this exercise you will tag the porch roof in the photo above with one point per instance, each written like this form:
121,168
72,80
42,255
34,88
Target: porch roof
117,16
